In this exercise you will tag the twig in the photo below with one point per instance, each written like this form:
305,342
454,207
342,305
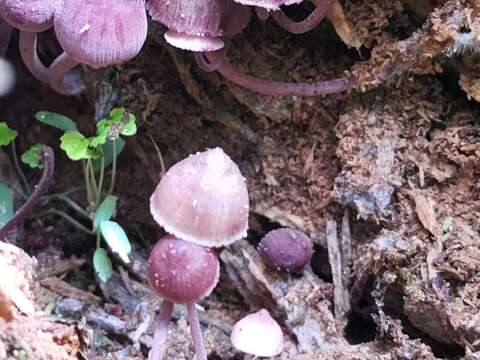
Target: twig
48,159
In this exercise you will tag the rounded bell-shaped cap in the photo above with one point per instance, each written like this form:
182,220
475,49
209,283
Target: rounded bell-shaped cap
193,25
181,271
203,199
258,334
28,15
268,4
100,33
286,250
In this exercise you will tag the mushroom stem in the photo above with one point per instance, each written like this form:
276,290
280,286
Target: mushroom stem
161,332
64,77
28,51
196,331
48,160
268,87
5,34
309,23
210,61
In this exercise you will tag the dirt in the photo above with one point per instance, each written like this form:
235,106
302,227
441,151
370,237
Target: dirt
385,179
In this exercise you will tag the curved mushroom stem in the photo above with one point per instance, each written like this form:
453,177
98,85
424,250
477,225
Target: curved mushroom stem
196,332
64,77
262,13
5,34
210,61
268,87
161,332
28,51
48,160
309,23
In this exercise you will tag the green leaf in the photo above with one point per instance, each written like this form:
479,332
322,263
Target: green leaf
130,127
6,204
116,115
104,211
107,150
6,134
32,157
103,129
56,120
77,146
102,264
116,239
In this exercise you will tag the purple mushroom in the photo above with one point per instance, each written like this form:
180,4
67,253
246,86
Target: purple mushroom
30,17
192,25
97,33
286,250
181,272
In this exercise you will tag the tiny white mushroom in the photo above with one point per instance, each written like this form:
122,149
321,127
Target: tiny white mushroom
258,334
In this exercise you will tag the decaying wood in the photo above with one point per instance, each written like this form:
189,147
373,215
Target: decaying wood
65,289
301,303
339,255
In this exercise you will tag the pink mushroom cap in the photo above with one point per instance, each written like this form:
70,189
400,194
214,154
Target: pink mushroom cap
258,334
28,15
203,199
193,25
100,33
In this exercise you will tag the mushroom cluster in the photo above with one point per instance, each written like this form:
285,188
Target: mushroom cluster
97,33
100,33
202,201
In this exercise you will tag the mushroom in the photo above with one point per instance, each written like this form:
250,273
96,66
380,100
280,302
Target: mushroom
181,272
97,33
268,4
258,334
192,25
286,250
215,61
203,199
30,17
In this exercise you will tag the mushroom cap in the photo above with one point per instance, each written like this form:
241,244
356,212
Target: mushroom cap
235,17
28,15
269,4
199,17
258,334
193,25
100,33
182,272
203,199
286,249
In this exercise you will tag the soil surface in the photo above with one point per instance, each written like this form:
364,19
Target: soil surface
385,179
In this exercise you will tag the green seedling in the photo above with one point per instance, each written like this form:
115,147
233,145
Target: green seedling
96,154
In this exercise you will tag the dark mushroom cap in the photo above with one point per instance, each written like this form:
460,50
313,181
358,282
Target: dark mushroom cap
100,33
181,271
203,199
235,17
28,15
286,250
